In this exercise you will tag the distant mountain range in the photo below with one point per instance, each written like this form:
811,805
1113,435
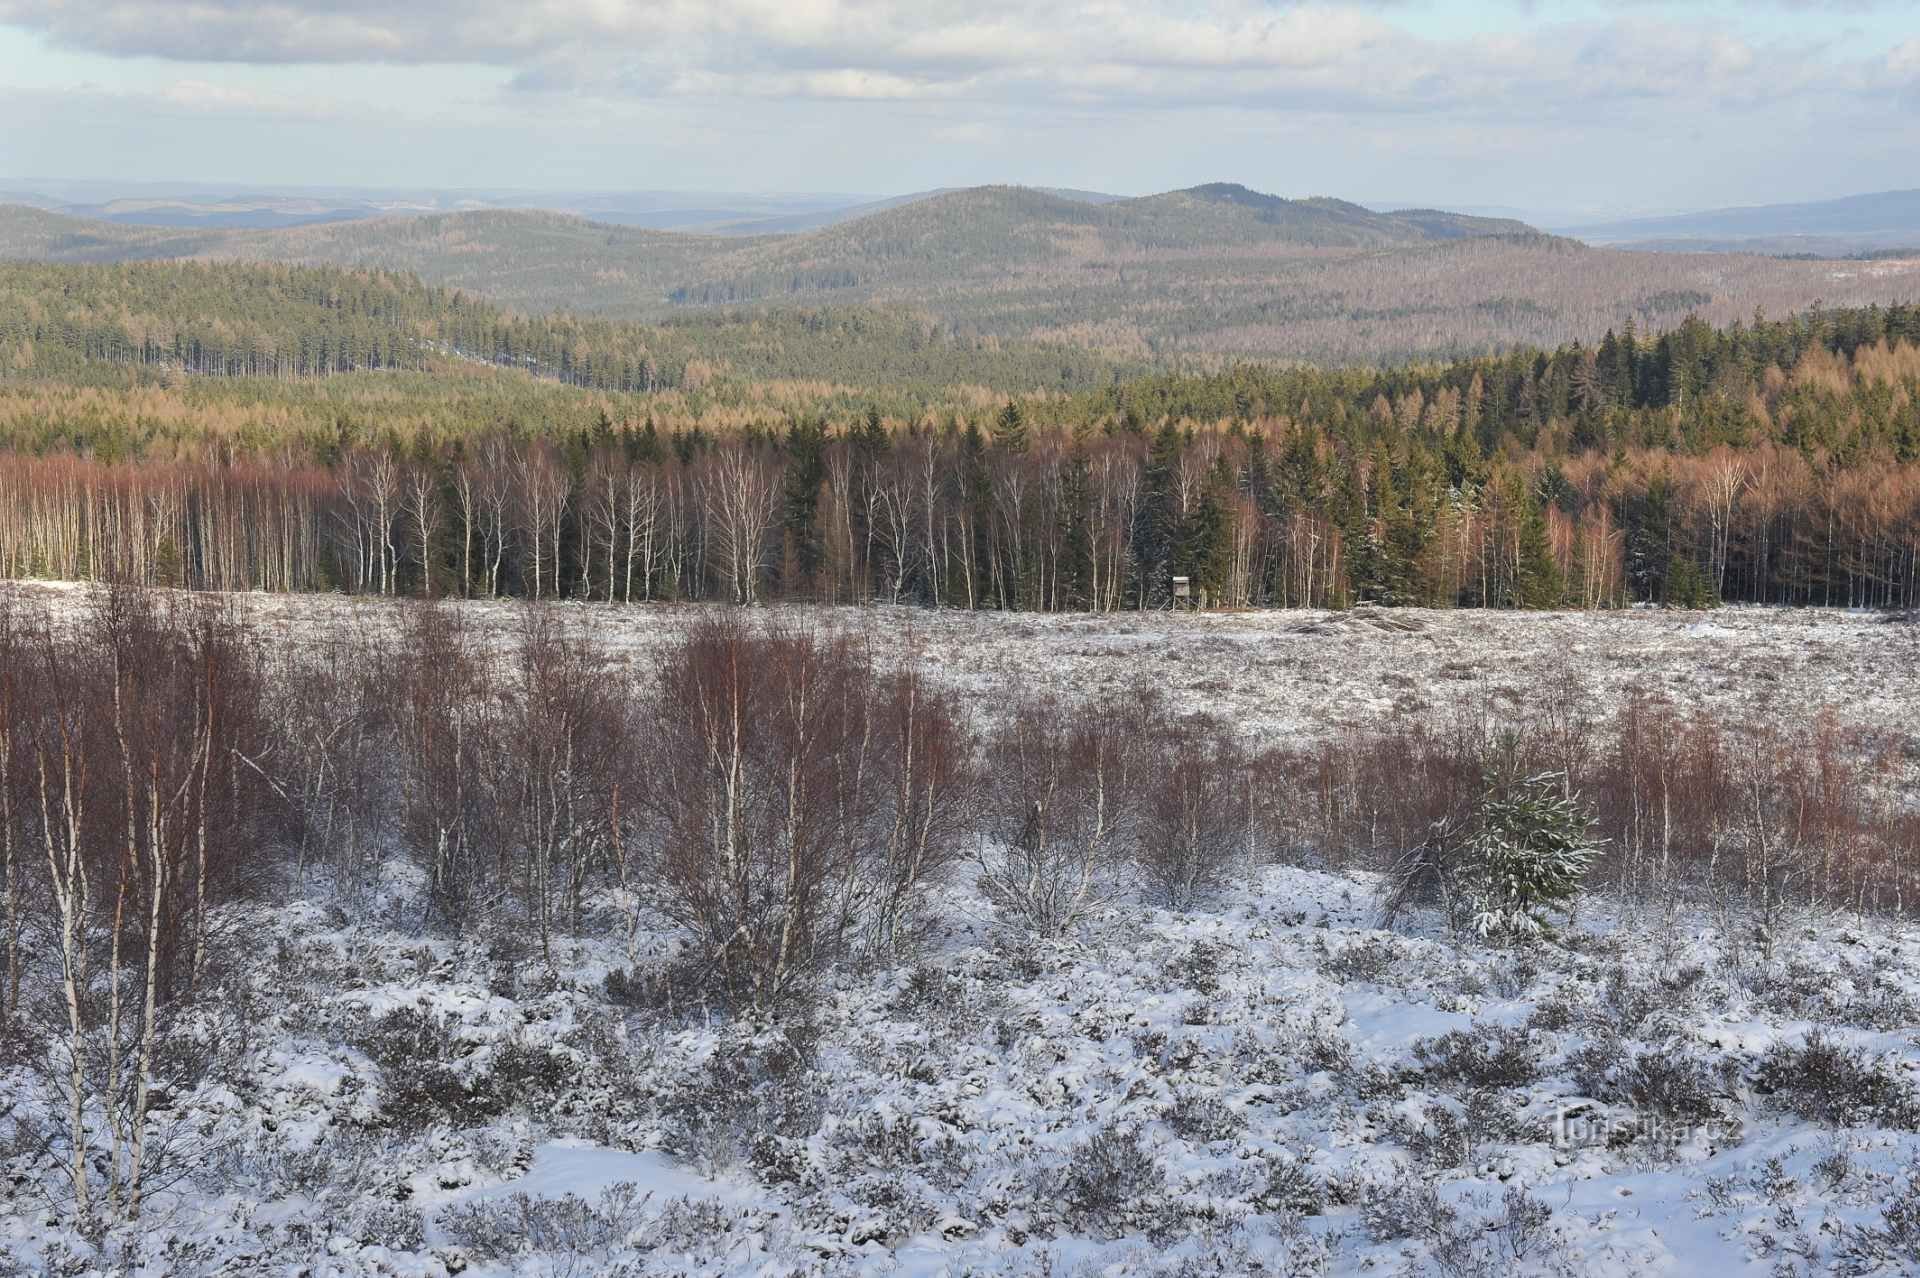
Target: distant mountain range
187,207
1213,271
197,207
1854,226
1827,228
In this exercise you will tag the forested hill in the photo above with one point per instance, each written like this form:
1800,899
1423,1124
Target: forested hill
245,320
1214,272
554,261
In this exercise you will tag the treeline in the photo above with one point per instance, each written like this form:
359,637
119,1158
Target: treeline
1777,462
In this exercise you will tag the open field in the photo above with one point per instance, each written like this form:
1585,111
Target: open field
1284,675
1266,1080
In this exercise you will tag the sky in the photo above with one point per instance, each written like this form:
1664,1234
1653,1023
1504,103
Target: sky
1579,105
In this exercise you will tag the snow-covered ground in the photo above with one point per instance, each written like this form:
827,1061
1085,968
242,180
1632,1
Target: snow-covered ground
1268,1084
1293,674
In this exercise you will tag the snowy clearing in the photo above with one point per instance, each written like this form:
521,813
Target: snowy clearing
1267,1083
1280,674
1278,1087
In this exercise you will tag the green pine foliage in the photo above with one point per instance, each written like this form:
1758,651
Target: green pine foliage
1527,855
1687,585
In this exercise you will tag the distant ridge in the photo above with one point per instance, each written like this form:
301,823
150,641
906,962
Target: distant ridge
1881,219
1210,272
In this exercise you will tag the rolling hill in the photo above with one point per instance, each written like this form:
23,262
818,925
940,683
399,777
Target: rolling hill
1216,271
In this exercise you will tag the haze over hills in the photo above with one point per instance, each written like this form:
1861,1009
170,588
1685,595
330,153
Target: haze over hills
1213,271
1854,224
198,205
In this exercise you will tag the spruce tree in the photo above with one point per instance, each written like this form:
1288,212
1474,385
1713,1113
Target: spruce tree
1537,582
1010,430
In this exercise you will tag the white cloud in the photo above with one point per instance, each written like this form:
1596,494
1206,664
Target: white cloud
1135,52
1379,75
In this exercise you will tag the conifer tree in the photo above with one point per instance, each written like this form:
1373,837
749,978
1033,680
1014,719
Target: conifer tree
1010,430
1538,583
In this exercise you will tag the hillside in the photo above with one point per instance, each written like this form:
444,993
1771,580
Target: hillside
250,320
1213,271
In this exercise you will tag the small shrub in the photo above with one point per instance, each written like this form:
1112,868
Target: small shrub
523,1072
1893,1246
1110,1180
1405,1207
669,990
1483,1056
395,1226
1440,1138
1324,1047
1670,1081
756,1101
1199,968
1370,959
1494,1248
503,1229
1291,1188
1514,978
1825,1081
1551,1015
1202,1117
419,1085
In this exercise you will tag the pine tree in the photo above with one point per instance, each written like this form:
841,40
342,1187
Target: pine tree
1537,582
1687,584
1205,551
1528,853
1010,430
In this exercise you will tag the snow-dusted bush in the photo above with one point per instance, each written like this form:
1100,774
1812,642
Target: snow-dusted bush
1673,1080
1371,958
1483,1056
1494,1247
1822,1079
1893,1246
420,1083
754,1102
503,1229
1522,850
382,1223
1111,1181
1290,1188
1408,1206
1202,1117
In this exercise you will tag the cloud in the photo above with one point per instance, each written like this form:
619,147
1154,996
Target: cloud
1000,54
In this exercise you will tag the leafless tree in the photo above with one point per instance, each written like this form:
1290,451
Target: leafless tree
1191,826
1069,781
801,801
739,493
420,504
